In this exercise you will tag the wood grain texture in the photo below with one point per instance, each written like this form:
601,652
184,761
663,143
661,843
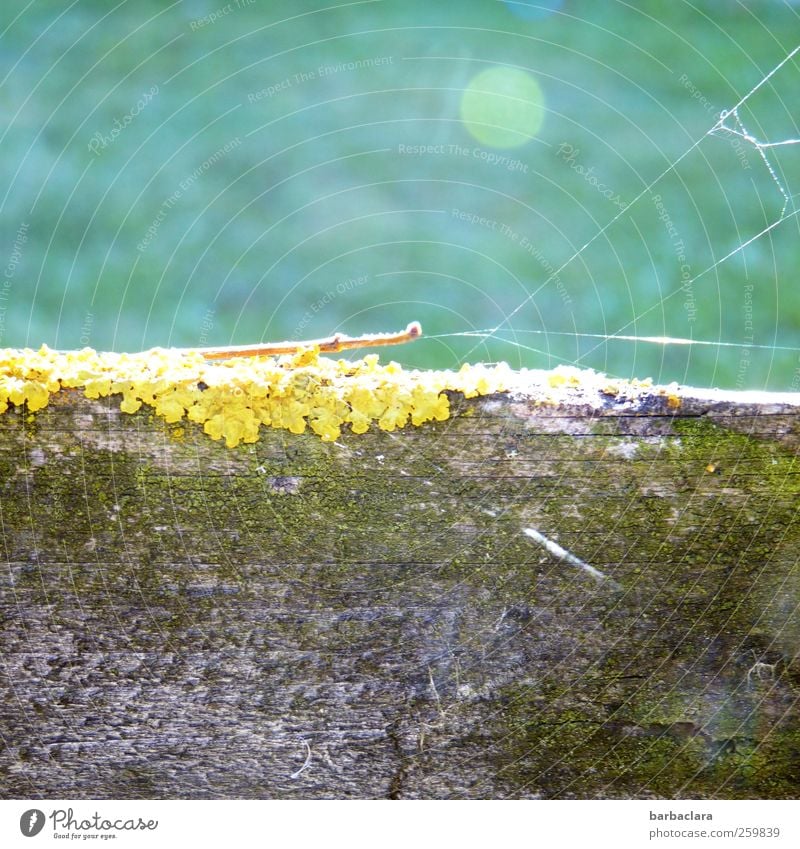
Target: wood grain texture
183,620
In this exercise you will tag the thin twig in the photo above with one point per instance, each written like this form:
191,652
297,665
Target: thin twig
329,345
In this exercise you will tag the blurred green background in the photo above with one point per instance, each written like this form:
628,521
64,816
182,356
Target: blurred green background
203,173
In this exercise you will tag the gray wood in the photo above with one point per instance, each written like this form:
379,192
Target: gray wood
295,619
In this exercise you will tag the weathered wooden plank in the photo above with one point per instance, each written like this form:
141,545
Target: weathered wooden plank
181,619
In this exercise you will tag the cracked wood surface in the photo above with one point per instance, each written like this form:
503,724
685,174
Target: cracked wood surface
184,620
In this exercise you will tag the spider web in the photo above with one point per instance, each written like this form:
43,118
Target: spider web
729,124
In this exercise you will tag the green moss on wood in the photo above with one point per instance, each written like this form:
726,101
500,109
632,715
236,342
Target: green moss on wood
388,561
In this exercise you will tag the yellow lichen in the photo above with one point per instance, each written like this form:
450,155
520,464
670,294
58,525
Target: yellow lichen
232,399
565,376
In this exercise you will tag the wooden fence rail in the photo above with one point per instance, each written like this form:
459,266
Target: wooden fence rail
595,598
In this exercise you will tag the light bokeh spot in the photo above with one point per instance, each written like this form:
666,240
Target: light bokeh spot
503,107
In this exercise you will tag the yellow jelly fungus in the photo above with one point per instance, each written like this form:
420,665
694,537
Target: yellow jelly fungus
562,376
233,399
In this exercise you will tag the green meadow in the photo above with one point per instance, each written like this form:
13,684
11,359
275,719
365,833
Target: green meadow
201,173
